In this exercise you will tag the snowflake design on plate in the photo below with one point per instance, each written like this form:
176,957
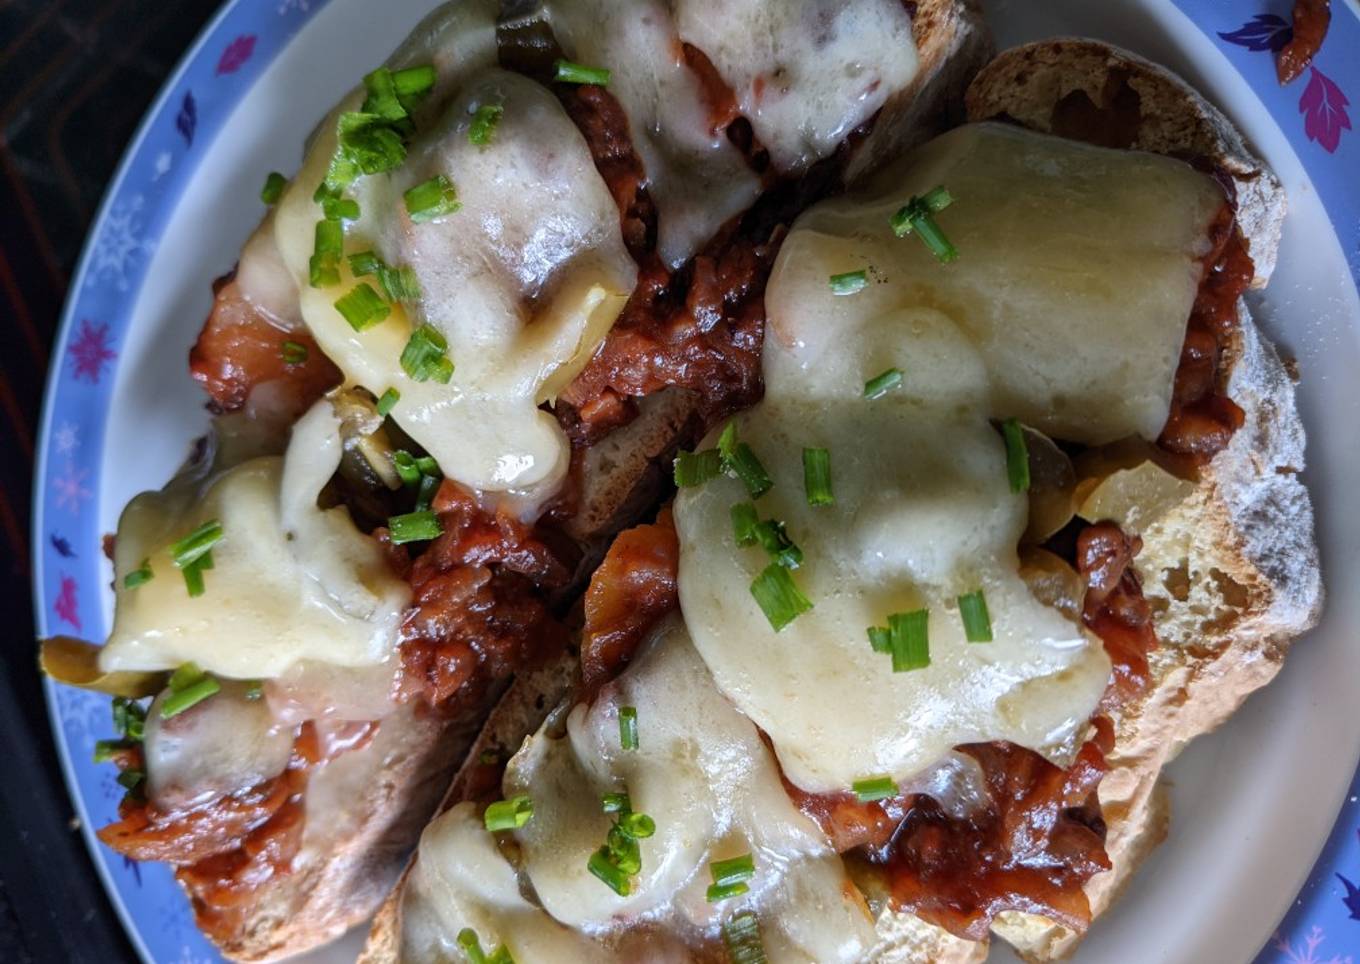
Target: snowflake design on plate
290,6
120,246
1308,951
66,438
90,352
70,487
85,716
66,606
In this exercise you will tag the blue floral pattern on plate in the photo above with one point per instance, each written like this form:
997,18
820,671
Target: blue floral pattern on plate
210,81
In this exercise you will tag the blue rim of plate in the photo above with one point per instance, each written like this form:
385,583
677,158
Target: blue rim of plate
214,75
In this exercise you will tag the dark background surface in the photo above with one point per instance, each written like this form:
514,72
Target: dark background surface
75,78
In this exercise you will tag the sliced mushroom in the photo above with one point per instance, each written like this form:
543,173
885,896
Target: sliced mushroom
1129,483
1052,481
76,663
1052,581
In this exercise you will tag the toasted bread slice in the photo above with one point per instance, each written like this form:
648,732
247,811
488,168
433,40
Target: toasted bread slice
1231,571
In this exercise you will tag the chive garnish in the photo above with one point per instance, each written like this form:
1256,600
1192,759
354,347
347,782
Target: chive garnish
744,522
910,642
1017,455
388,401
733,869
778,596
130,780
369,142
772,537
628,727
185,552
139,576
599,864
741,934
413,83
741,461
189,686
382,97
849,283
405,464
414,527
509,814
880,639
874,788
293,353
881,384
431,199
977,623
424,357
696,468
273,188
817,477
567,72
615,803
917,217
484,122
717,892
363,307
324,265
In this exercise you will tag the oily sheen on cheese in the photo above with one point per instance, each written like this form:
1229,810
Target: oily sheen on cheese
805,72
696,177
703,774
1035,320
522,282
290,582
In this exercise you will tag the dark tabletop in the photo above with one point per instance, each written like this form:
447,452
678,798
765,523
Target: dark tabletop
75,78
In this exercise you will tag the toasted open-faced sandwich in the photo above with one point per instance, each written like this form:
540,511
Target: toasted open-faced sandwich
521,266
1016,517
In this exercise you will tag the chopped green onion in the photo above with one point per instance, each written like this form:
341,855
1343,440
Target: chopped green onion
778,596
369,142
744,522
339,208
910,640
254,690
880,639
501,955
382,96
977,623
616,803
917,217
399,283
185,675
363,307
638,826
324,265
717,892
741,461
817,477
424,357
192,547
1017,455
881,384
570,73
363,263
429,485
273,188
388,401
471,946
340,174
205,562
191,695
617,881
193,581
741,934
623,849
129,718
414,527
733,869
139,576
431,199
874,788
696,468
405,464
484,123
509,814
628,729
413,83
106,750
427,465
849,283
293,353
772,537
130,780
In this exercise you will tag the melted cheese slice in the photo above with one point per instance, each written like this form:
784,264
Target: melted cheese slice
696,177
523,282
1077,271
703,774
290,581
805,72
1037,319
